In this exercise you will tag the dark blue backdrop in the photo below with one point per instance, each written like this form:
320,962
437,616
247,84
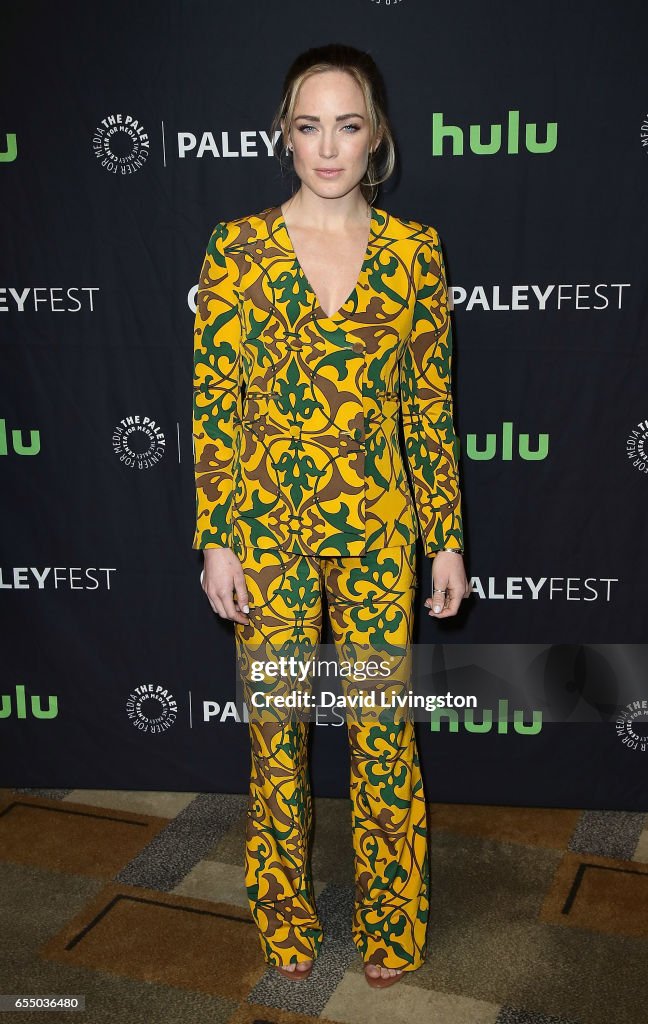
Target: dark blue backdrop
127,131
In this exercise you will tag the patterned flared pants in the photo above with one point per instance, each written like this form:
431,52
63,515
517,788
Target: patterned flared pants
370,600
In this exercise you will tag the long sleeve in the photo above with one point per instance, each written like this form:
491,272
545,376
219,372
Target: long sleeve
216,392
431,444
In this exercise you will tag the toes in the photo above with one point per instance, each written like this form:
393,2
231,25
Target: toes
376,971
301,966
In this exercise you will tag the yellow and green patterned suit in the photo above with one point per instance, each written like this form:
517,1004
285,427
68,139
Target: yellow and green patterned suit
296,413
299,470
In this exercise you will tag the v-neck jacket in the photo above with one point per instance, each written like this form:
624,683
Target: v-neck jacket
296,414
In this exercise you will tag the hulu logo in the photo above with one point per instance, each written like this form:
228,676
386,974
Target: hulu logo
10,152
507,446
7,702
441,131
17,442
486,724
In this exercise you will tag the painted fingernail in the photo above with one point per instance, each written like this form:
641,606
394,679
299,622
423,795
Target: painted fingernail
246,608
437,607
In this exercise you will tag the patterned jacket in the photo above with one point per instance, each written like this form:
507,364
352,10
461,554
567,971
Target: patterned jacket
296,414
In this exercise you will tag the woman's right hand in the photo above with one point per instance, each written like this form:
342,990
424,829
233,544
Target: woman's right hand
224,583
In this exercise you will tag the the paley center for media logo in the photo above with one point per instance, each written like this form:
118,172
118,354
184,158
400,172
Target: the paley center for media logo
121,144
632,725
152,708
139,441
637,446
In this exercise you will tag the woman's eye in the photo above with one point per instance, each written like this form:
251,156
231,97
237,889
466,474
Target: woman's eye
355,127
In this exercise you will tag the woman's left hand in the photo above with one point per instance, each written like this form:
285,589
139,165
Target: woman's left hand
449,574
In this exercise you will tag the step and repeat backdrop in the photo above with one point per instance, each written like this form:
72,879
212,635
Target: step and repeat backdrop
126,132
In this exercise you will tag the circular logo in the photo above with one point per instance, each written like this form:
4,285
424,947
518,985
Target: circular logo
121,144
632,725
637,446
138,442
152,708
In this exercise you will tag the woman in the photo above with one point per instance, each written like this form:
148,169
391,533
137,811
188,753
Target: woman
319,323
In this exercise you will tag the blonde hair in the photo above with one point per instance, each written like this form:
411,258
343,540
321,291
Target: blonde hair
361,66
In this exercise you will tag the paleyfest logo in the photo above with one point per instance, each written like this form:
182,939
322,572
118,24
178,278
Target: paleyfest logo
121,144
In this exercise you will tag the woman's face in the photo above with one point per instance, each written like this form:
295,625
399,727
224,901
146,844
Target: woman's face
330,133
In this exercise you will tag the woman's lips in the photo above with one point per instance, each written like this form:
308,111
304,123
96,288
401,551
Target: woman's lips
328,173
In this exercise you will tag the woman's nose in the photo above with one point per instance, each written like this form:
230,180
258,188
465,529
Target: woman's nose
328,144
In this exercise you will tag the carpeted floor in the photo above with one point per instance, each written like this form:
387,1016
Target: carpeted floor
136,900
